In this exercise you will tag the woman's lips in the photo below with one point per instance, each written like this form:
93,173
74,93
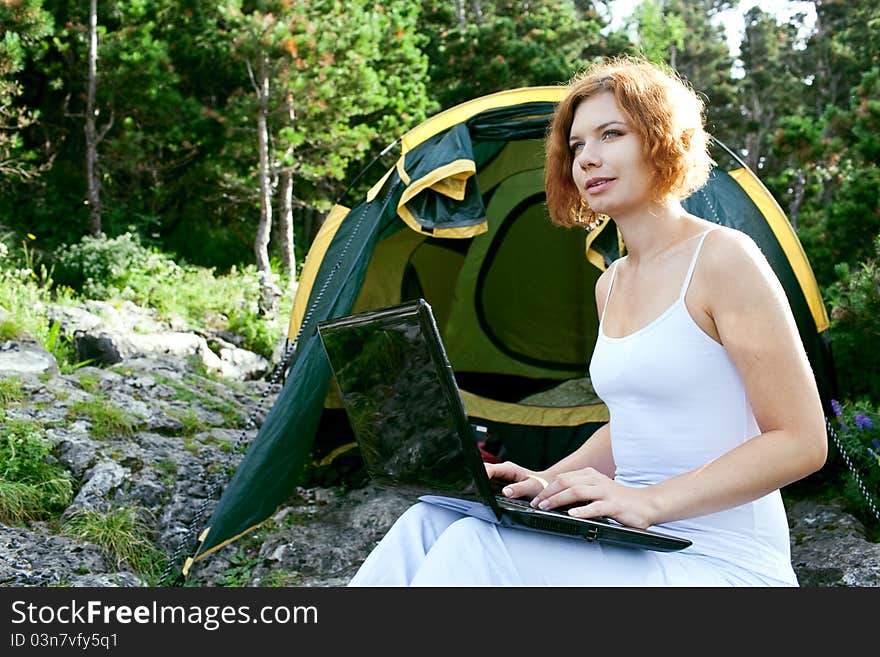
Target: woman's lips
596,185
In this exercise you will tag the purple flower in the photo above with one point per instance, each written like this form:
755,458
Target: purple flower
876,444
844,427
863,422
835,406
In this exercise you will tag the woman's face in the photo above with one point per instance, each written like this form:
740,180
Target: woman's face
608,165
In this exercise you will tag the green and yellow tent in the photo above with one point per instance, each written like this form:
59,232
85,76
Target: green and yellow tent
460,220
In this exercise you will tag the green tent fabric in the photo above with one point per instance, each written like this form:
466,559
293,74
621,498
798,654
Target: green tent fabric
460,221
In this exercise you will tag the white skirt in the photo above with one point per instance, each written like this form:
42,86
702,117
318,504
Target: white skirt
432,546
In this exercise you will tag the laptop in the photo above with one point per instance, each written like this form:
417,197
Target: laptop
402,401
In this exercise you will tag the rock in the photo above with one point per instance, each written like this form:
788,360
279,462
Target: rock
106,335
829,548
25,357
33,558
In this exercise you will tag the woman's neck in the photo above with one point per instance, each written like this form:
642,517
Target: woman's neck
653,230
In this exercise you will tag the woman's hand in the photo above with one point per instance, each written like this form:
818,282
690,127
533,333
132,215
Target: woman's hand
587,493
526,483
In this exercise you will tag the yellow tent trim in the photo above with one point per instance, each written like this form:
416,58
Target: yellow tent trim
788,240
537,416
449,180
342,449
222,545
374,190
460,113
401,170
454,233
594,256
312,264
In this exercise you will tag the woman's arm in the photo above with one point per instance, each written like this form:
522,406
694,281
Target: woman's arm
595,453
757,328
754,323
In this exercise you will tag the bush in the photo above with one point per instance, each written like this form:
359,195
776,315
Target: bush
857,426
855,328
102,267
121,268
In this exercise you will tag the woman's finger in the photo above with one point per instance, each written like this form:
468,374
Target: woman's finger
528,487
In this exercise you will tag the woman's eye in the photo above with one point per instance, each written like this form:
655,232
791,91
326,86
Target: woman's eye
611,133
575,147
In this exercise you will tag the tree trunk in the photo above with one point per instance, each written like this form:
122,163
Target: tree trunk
268,297
798,199
285,212
458,6
94,184
285,225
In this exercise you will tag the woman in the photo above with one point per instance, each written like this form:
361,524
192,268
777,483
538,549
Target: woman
712,401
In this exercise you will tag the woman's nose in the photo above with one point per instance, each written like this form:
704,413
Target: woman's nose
587,157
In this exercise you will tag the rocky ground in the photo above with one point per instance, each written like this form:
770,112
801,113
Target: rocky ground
195,401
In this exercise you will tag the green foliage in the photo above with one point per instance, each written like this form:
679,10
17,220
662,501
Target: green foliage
241,565
100,267
195,392
89,382
9,328
855,327
32,486
23,24
191,422
503,45
10,391
122,268
122,535
107,420
658,34
24,293
281,578
857,426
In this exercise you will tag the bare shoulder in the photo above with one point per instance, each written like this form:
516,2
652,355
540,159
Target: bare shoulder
741,291
732,259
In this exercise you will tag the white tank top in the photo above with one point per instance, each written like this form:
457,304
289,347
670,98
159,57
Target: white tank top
676,402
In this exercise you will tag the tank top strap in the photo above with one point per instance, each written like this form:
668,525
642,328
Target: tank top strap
610,285
690,271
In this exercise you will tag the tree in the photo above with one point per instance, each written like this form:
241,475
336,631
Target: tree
93,137
23,25
843,46
772,85
660,36
483,47
682,34
322,95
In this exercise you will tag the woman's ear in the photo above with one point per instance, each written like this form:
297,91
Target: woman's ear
686,137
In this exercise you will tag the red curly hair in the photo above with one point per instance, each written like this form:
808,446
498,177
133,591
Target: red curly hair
661,107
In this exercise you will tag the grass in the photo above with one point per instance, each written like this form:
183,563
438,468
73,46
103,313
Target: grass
122,536
280,579
107,420
10,328
11,391
31,486
191,422
231,417
89,382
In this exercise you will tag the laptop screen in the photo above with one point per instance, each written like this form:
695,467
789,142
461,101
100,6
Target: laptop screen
402,402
